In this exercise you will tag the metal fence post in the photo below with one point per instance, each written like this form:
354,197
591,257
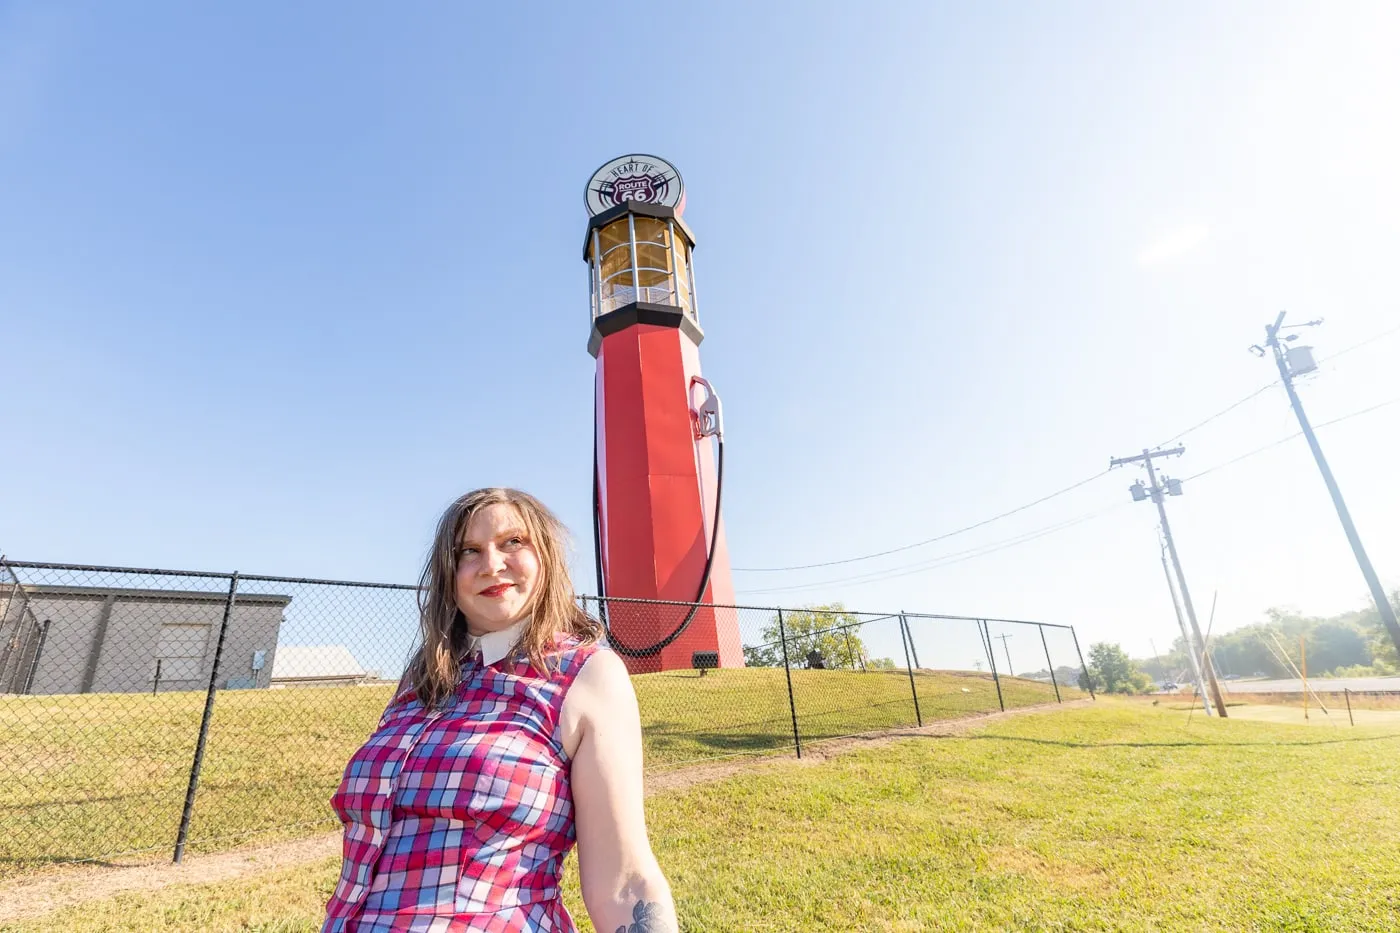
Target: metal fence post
1049,664
985,631
10,594
12,653
183,835
908,640
1083,668
787,669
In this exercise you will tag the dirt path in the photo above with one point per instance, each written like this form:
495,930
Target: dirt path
66,887
75,884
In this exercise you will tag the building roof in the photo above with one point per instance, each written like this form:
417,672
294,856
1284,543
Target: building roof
298,662
138,593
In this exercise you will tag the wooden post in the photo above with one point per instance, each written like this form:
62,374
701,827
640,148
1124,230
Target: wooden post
1347,693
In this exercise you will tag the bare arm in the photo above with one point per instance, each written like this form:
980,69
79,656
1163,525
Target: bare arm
623,887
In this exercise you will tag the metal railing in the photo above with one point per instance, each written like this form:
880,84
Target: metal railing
616,296
149,709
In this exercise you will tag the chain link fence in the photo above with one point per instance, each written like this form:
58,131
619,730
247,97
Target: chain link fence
147,710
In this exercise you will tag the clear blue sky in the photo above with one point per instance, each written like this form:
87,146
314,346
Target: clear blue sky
276,283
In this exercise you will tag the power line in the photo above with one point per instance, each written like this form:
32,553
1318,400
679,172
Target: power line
926,541
958,557
945,560
1021,508
1264,388
1294,436
1224,411
1357,346
1245,456
1354,414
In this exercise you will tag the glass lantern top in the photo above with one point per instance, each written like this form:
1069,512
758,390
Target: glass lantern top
636,258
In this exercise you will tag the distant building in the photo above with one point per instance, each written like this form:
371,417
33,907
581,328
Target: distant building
317,665
90,639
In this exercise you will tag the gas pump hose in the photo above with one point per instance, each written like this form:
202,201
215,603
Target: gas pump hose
654,649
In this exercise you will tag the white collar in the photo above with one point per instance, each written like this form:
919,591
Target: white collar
496,645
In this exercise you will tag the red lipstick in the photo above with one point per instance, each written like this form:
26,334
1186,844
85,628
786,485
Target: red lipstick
492,592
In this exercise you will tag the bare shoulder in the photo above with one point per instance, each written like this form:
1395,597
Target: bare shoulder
603,677
599,701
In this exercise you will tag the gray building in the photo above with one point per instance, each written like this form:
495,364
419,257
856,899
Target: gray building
80,639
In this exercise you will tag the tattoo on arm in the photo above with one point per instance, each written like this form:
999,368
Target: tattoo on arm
647,917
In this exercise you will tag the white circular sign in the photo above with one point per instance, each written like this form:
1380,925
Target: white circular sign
635,178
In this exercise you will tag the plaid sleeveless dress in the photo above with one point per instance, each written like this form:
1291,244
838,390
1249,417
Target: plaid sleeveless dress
459,818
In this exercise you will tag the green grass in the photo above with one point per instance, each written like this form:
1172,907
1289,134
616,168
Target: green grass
91,776
1114,817
687,718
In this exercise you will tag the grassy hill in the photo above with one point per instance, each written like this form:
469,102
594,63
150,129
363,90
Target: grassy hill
92,775
1118,816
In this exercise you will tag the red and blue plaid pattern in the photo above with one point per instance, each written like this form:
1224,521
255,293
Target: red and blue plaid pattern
459,818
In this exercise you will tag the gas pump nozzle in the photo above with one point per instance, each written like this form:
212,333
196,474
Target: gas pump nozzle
708,418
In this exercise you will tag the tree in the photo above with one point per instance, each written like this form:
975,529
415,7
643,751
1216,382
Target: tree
1245,651
769,655
1382,647
1064,674
1112,671
830,631
1332,645
1355,642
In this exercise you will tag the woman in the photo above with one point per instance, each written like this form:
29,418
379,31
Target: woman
512,735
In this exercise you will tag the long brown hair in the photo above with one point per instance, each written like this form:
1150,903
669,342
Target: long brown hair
436,666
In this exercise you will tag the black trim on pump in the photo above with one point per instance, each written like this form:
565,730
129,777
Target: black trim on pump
642,312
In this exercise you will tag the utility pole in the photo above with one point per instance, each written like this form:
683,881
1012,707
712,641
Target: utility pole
1157,493
1297,361
1009,671
1191,648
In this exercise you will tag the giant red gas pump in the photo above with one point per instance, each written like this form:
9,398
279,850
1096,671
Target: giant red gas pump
659,437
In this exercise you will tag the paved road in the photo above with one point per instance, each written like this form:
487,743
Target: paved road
1320,684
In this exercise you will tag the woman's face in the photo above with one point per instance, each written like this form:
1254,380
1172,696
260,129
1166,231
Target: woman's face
497,569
